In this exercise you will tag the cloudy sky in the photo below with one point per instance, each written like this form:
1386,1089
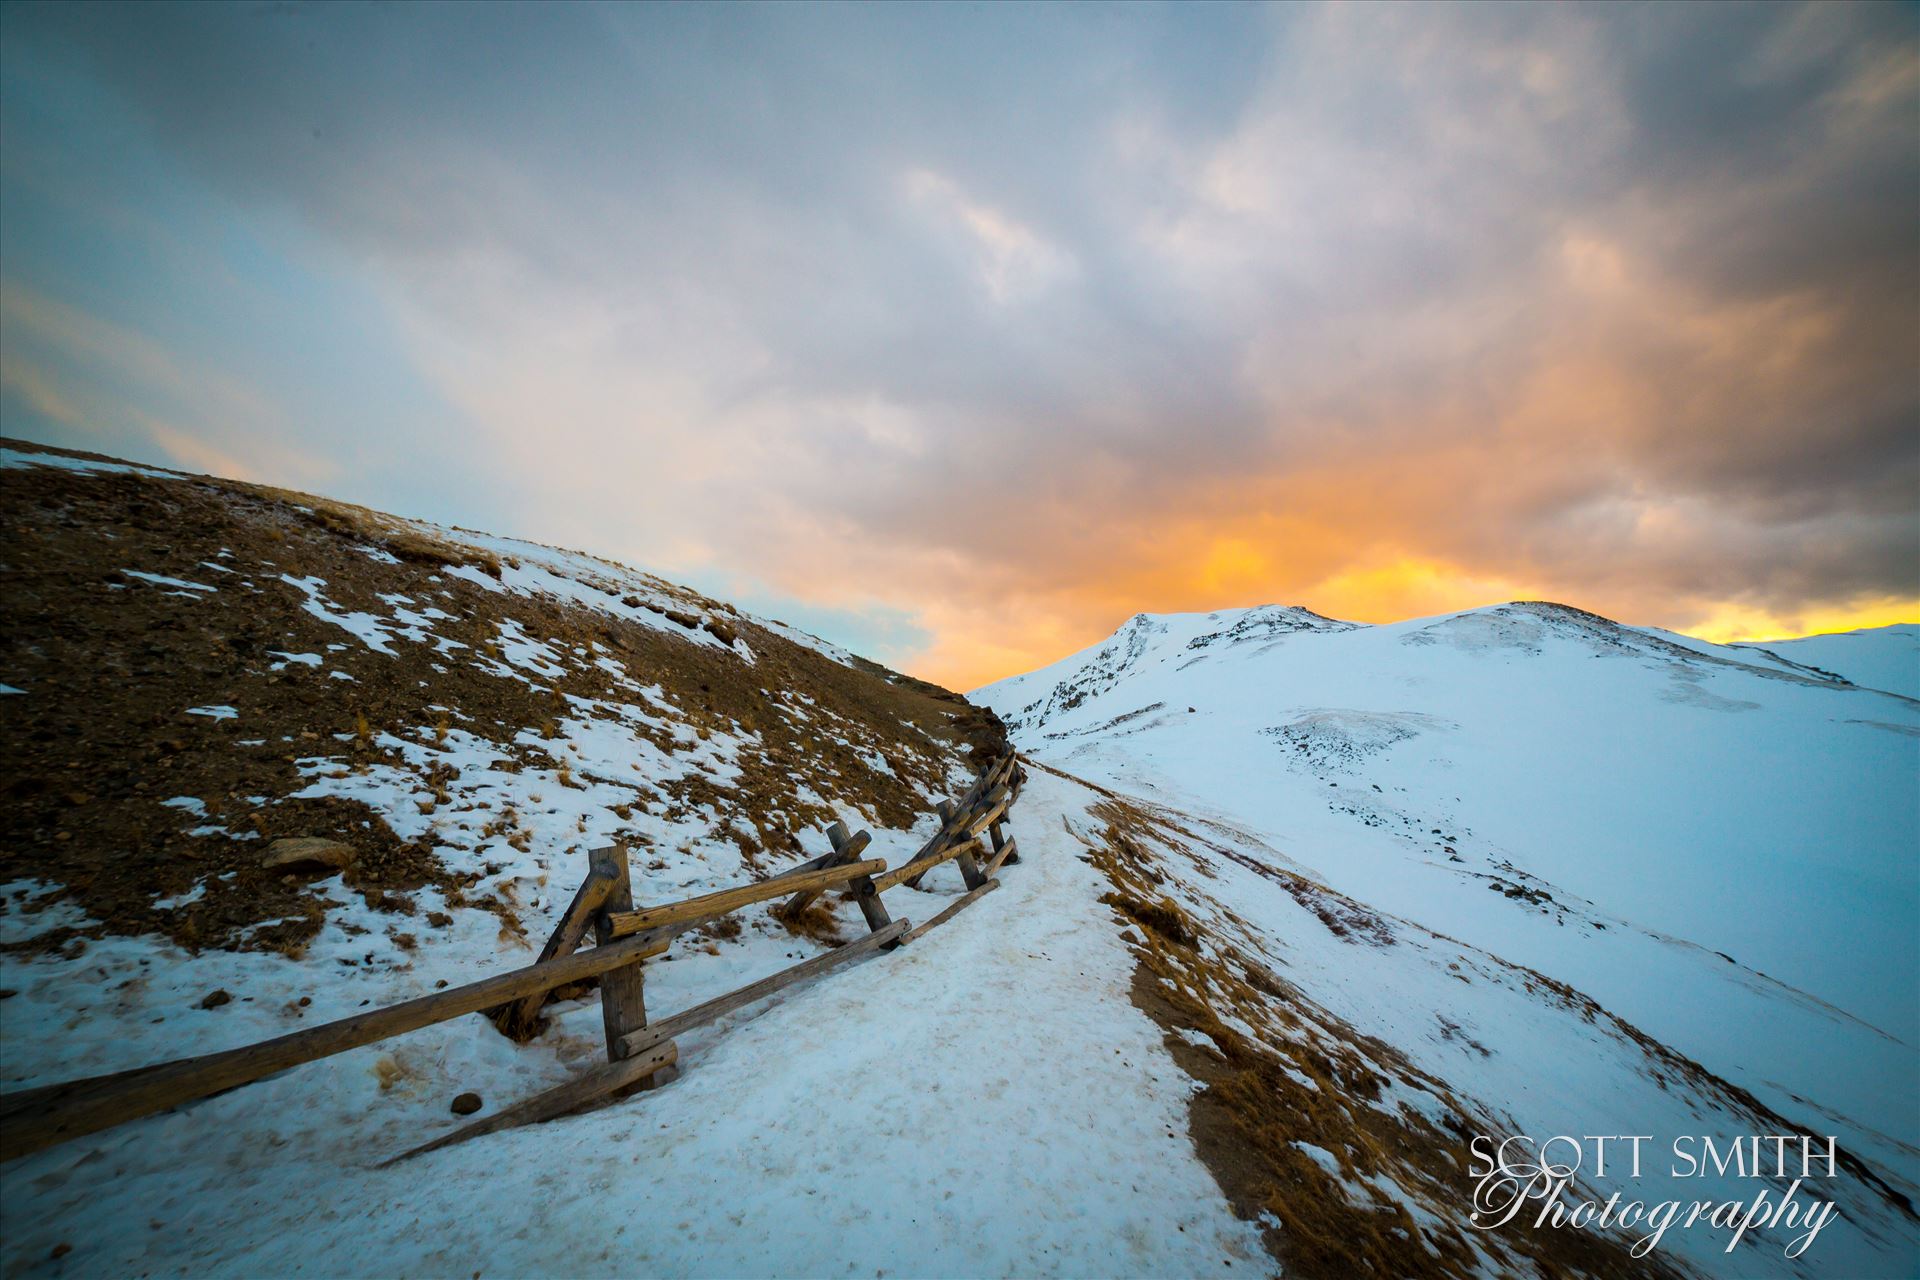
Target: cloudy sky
961,334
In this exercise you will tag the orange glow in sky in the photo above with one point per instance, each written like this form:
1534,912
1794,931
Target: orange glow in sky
1407,588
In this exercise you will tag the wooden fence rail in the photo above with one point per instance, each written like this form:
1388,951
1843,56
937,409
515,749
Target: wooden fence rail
639,1053
711,906
909,873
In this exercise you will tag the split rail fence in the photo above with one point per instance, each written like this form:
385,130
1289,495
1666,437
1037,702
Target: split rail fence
640,1053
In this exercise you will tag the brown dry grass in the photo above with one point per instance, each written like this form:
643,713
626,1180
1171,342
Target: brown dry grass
816,921
1309,1078
396,537
112,664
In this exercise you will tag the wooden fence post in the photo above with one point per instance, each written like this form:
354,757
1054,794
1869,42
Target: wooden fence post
1001,840
623,996
845,849
970,870
521,1019
862,890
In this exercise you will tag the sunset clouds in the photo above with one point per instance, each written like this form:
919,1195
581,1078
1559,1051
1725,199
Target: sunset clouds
961,335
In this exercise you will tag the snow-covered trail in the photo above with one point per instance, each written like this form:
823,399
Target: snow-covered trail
984,1101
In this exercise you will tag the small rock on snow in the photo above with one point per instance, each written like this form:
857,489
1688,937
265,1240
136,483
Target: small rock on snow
307,853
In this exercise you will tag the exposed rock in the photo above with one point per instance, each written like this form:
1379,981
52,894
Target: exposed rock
214,999
466,1104
307,853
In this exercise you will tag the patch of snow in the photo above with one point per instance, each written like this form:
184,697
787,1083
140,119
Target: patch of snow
806,640
175,901
15,459
370,630
164,581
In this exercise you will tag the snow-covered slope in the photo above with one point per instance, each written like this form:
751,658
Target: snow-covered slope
1879,658
1717,844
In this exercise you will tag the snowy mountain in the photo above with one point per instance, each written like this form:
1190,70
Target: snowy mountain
1301,907
1714,844
1880,658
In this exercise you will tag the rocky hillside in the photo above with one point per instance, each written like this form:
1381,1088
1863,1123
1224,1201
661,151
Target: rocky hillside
199,672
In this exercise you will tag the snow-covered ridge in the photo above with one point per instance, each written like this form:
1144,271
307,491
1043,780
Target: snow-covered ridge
1884,658
1175,641
1715,842
1145,642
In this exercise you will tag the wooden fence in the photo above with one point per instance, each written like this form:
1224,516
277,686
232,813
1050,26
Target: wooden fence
639,1053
